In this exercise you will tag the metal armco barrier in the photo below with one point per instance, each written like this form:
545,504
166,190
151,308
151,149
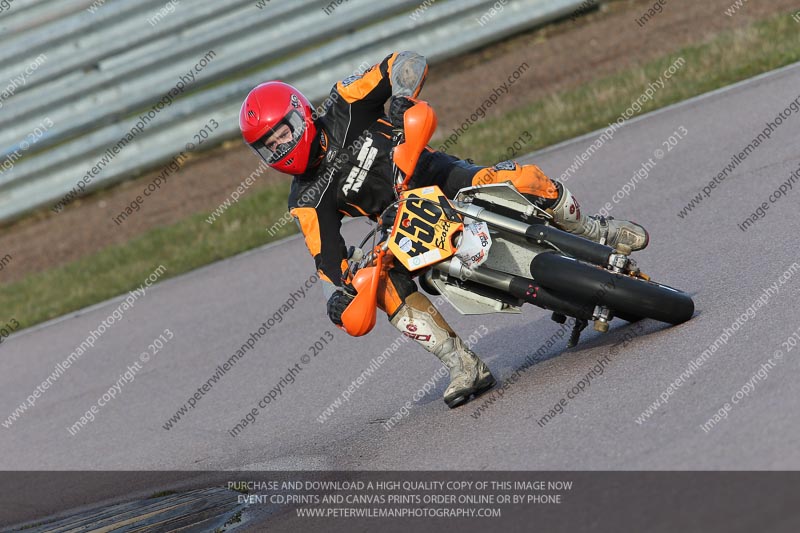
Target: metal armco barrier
100,66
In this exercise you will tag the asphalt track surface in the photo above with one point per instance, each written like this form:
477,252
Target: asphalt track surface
213,310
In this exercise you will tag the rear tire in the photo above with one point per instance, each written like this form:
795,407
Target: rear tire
629,297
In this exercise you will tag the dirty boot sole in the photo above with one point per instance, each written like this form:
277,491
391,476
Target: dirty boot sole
469,394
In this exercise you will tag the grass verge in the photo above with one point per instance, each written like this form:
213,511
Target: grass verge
180,247
726,58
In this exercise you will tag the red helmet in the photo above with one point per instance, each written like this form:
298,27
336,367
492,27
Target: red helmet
266,114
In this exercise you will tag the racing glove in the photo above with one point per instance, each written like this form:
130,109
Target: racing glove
398,105
337,303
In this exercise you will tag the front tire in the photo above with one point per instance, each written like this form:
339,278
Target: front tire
627,296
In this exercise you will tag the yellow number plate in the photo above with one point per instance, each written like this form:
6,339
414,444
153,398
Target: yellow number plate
422,233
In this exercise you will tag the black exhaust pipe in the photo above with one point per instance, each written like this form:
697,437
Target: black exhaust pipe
526,290
535,294
570,244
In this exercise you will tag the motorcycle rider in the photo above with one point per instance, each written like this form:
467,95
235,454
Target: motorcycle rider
342,166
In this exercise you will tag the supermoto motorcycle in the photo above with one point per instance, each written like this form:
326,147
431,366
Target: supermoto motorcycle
491,250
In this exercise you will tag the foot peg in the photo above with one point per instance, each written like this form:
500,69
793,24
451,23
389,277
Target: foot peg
575,336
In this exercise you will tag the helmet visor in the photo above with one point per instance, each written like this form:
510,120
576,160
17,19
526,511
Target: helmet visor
280,140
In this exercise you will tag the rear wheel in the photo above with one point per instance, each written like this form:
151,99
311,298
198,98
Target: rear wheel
630,298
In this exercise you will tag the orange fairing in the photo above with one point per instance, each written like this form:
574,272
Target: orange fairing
527,179
419,123
360,316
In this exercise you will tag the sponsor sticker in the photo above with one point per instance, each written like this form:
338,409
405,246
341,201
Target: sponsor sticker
405,244
505,165
350,79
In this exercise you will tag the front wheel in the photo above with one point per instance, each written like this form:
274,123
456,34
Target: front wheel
625,295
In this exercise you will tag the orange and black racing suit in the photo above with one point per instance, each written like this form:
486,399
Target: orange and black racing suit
354,174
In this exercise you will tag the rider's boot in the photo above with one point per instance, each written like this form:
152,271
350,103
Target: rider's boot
620,234
421,321
555,198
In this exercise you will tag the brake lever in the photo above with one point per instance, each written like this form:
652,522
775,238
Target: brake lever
355,256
